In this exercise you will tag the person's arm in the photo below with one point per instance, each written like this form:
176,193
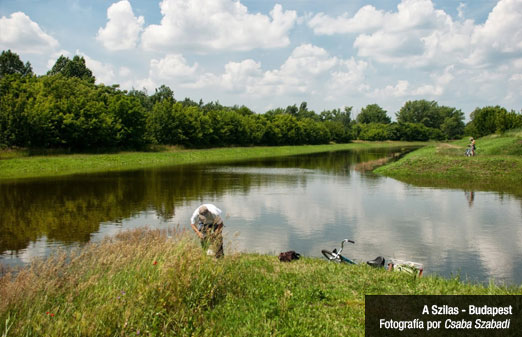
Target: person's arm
196,230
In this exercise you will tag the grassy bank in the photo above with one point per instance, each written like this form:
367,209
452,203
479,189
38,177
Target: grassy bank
497,165
144,283
15,165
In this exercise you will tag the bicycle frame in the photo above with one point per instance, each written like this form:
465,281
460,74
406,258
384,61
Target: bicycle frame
336,255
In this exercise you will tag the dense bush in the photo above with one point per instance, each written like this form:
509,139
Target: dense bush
397,131
375,131
491,119
448,120
68,112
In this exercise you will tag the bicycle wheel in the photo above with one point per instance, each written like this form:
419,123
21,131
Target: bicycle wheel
330,256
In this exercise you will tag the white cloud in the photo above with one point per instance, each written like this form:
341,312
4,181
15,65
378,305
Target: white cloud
418,34
398,90
415,51
124,72
301,72
414,35
123,28
367,18
304,71
438,87
146,83
460,10
23,35
307,60
500,35
410,14
241,76
217,25
173,67
350,77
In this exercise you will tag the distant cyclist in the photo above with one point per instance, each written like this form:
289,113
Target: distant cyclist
209,229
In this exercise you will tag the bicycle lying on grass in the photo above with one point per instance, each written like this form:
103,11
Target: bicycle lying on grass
409,267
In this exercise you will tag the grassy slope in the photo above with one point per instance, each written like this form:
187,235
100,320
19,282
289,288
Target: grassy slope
116,288
13,166
497,165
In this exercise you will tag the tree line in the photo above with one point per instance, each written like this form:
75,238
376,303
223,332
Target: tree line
66,109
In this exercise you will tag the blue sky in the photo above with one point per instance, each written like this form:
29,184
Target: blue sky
266,54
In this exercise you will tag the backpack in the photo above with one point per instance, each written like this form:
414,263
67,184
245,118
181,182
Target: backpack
289,256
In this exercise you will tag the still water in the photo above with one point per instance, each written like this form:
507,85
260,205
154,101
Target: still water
303,203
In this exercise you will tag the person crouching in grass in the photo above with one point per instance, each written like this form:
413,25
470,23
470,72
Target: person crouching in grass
209,229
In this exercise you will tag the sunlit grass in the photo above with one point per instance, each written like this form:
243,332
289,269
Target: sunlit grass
21,164
496,166
144,282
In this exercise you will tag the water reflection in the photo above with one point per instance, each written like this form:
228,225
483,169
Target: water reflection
304,203
470,195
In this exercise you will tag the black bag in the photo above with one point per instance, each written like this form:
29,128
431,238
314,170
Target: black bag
289,256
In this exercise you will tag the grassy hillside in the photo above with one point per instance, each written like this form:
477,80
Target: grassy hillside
144,282
497,165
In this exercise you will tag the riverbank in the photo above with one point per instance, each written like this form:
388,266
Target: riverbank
496,167
19,164
147,282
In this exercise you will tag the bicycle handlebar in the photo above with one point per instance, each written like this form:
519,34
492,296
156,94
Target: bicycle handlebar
342,244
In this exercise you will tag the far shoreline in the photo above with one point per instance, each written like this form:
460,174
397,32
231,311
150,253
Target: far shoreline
19,165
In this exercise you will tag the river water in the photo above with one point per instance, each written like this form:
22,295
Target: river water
304,203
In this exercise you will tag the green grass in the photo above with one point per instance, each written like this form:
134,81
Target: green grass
143,282
19,164
497,165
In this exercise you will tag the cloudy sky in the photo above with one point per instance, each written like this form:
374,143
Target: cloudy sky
266,54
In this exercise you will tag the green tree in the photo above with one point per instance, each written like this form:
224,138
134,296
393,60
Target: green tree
15,94
72,68
256,126
452,128
336,115
453,122
314,132
129,118
484,120
337,131
373,113
292,110
420,111
303,112
415,131
162,93
508,120
243,110
375,132
162,125
10,63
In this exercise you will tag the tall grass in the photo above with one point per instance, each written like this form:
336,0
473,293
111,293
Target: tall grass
149,283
